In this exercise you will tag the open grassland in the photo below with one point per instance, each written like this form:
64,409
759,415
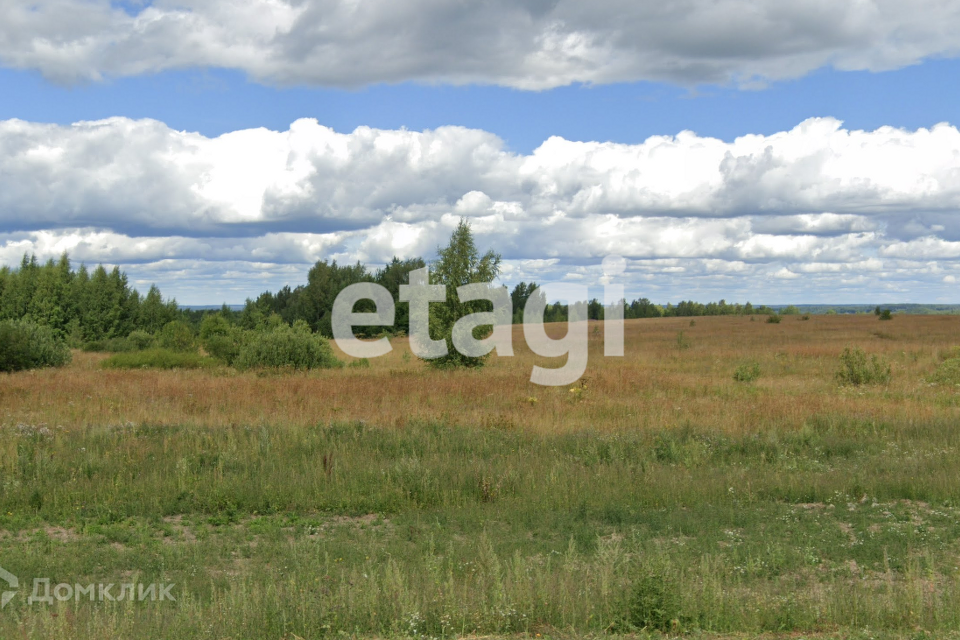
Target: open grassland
394,500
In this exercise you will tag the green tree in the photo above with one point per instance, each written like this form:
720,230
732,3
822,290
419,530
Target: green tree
458,264
391,276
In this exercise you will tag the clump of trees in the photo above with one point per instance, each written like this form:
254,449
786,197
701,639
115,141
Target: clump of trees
27,345
80,306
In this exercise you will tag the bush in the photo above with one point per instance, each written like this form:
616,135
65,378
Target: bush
26,345
654,603
287,347
886,315
856,370
177,335
747,372
774,319
223,348
140,340
157,359
948,372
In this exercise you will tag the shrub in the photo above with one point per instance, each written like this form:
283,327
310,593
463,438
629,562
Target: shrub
855,369
948,372
747,372
774,319
287,347
26,345
886,315
220,339
140,340
654,603
177,335
362,363
157,359
223,348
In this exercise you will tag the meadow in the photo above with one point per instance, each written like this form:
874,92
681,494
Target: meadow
658,495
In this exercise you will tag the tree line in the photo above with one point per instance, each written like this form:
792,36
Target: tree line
87,306
79,305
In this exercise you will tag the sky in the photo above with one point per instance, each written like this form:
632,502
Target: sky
802,152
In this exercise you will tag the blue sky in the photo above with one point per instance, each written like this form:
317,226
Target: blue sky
220,149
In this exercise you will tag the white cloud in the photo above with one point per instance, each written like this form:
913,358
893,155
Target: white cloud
530,45
819,200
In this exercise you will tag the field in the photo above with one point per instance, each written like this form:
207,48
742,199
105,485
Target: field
659,495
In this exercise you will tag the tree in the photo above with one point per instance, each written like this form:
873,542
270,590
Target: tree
458,264
391,276
518,297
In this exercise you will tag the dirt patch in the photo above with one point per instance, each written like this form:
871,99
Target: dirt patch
182,532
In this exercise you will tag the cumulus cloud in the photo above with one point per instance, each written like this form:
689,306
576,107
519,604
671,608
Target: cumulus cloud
530,45
815,206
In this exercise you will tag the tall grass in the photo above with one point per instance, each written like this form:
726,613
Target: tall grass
390,500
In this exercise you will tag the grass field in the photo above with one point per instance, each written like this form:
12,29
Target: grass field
659,496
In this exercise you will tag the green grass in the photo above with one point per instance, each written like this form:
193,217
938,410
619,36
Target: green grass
438,531
158,359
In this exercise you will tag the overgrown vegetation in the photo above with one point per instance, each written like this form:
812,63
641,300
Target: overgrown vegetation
747,372
157,359
286,347
25,345
856,369
948,372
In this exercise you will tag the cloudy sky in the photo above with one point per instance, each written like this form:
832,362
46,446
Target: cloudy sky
770,151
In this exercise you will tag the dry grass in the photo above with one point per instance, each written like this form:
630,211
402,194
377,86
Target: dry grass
657,384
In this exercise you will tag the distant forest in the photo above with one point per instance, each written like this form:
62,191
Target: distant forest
86,306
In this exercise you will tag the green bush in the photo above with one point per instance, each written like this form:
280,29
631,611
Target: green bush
140,340
220,339
287,347
177,336
157,359
223,348
654,603
774,319
886,315
26,345
948,372
855,369
747,372
136,341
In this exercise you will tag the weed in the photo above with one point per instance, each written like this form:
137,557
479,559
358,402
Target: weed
747,372
654,603
948,372
855,369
